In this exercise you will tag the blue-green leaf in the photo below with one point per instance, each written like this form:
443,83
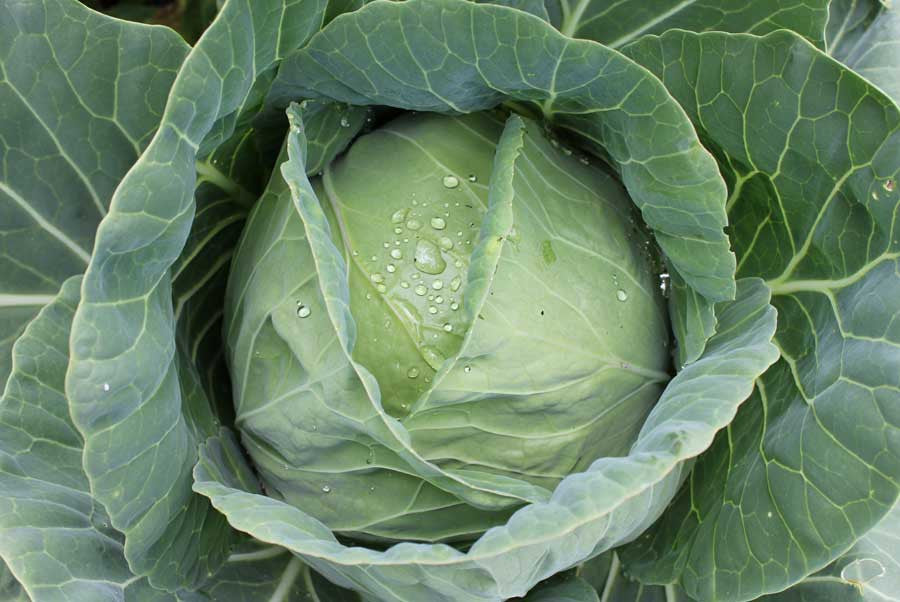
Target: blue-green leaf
812,153
865,36
80,97
616,24
141,434
55,538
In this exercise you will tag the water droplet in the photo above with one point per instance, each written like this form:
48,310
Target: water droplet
372,489
889,185
584,160
369,296
459,234
404,284
433,357
432,309
376,278
412,372
399,216
467,368
448,327
454,306
345,123
450,181
374,258
326,489
431,297
391,268
315,428
473,177
386,244
398,230
458,263
421,290
303,311
356,253
413,224
437,285
370,457
438,223
106,386
415,276
445,243
621,295
455,283
381,288
428,258
438,299
396,253
664,283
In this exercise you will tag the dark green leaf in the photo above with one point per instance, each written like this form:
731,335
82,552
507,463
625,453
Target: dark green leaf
616,24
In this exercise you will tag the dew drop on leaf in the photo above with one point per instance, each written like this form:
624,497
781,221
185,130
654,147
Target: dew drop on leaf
621,295
303,311
438,223
412,372
450,181
399,216
428,258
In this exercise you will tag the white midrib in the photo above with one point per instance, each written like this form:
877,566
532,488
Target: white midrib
650,24
14,300
55,232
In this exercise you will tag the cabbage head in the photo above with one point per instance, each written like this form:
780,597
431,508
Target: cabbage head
512,324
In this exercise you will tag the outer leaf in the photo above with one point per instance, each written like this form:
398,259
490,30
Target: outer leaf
55,538
865,36
10,589
140,435
80,97
589,512
620,22
607,575
570,590
255,572
462,57
535,7
813,154
868,572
